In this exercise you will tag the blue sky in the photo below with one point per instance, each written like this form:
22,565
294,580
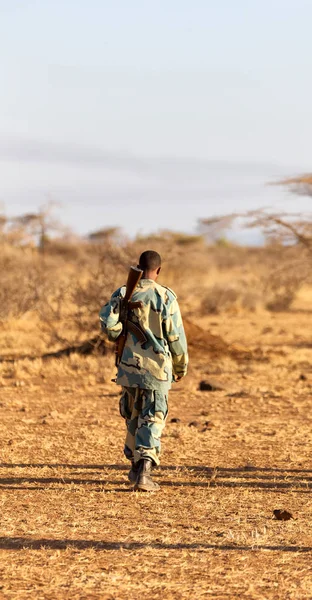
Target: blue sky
150,114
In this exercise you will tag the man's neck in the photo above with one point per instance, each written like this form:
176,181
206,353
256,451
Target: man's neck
148,275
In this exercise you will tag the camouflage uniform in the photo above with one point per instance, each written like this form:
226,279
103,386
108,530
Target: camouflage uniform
147,370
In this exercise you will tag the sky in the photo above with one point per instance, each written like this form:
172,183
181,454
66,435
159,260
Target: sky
152,115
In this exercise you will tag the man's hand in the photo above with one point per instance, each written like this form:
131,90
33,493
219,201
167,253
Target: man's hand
178,378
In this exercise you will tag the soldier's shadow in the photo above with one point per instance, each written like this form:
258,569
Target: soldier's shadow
263,478
22,543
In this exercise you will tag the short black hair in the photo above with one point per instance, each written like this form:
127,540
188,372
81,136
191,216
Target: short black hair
149,260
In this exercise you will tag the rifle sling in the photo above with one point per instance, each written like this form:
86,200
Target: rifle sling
137,330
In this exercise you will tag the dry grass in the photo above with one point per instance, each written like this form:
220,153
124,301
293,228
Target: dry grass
72,528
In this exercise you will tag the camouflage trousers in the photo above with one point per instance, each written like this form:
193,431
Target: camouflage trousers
145,412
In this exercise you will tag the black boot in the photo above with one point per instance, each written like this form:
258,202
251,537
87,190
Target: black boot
144,482
133,473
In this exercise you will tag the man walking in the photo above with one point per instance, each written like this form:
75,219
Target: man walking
148,365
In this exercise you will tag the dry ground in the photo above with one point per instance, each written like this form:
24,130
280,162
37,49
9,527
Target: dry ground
72,528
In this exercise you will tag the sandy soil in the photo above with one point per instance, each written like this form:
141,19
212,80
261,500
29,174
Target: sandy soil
71,526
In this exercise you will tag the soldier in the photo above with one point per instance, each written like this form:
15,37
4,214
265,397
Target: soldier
147,369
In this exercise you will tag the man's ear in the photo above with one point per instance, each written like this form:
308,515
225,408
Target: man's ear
158,270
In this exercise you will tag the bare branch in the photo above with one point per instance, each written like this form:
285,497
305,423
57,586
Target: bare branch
301,184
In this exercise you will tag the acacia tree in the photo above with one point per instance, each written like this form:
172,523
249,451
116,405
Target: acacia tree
37,226
294,227
214,228
107,235
3,223
288,261
302,184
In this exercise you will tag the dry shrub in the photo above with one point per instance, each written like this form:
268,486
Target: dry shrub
281,289
289,269
61,292
273,282
223,297
18,285
90,369
185,259
69,307
219,298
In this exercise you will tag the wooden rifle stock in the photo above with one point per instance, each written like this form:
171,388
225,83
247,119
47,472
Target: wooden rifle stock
134,277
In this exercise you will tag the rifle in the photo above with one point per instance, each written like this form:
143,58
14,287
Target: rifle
134,277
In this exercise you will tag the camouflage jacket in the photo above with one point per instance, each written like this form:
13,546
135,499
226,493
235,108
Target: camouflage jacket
155,363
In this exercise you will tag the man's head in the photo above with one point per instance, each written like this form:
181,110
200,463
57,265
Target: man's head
150,263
